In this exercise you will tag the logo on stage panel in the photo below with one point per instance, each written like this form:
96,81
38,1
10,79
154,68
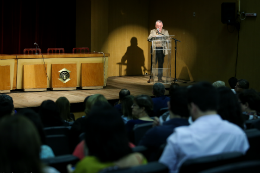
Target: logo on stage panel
64,75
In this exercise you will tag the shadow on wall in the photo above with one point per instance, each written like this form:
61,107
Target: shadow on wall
133,59
184,74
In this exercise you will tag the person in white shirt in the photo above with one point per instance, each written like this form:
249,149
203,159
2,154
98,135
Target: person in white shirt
208,135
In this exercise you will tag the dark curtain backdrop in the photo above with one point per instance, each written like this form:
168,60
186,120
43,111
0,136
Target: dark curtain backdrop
52,24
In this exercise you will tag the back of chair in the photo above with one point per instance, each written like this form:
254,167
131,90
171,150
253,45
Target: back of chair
31,50
57,130
253,136
203,163
80,50
140,130
61,162
240,167
253,124
153,167
55,50
59,144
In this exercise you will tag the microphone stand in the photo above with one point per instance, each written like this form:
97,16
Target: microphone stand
175,40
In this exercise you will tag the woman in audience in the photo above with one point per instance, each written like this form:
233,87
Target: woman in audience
20,146
92,100
229,108
106,144
250,101
127,104
64,107
50,114
141,109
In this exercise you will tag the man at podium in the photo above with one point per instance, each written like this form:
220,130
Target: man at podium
157,32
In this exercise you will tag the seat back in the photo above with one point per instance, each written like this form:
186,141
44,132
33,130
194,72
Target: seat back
57,130
140,130
59,144
203,163
32,51
55,50
253,136
61,162
240,167
80,50
253,124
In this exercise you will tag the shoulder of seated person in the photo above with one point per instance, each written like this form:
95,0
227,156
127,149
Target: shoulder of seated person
133,159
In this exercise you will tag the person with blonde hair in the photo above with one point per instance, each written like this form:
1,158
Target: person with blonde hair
218,83
92,100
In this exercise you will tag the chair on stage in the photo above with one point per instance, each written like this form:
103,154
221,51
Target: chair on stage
31,51
55,50
80,50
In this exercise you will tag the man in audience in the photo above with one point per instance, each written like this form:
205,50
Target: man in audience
122,94
160,100
241,85
6,105
179,113
208,135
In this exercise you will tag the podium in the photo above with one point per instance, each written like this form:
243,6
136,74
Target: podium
161,59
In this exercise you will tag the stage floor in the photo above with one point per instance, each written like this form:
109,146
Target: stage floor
136,84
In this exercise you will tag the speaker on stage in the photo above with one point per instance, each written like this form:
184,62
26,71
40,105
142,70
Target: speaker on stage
228,13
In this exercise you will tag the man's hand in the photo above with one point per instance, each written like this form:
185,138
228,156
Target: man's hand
156,122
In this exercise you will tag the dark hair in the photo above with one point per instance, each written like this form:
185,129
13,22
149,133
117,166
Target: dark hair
179,102
64,107
6,105
204,95
244,84
19,145
232,82
173,87
158,89
36,120
146,102
50,114
229,108
105,134
123,93
251,97
127,106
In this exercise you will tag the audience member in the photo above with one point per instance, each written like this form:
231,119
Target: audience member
218,84
179,114
127,104
160,100
50,114
229,108
208,134
92,100
232,82
6,105
122,94
64,107
106,144
20,146
46,151
241,85
250,103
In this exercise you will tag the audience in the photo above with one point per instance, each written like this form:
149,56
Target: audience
122,94
160,100
106,144
20,146
127,104
232,82
241,85
6,105
92,100
218,84
64,107
208,134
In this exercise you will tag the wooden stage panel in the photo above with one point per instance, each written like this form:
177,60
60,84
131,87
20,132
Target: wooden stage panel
34,76
92,74
5,77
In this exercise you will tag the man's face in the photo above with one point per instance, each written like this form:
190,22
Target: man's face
159,26
237,88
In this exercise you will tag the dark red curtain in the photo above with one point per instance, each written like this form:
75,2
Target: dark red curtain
51,24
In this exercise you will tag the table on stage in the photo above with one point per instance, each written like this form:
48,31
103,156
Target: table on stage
57,71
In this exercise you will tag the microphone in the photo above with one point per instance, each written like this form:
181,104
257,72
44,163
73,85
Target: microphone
35,44
158,30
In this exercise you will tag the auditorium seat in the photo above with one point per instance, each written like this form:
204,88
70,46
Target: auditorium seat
31,51
140,130
253,136
57,130
207,162
80,50
55,50
59,144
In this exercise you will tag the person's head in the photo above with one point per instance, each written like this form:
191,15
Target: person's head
105,134
249,100
229,108
93,100
123,93
50,113
159,25
36,120
143,106
64,107
232,82
19,145
6,105
173,87
127,106
218,84
158,89
241,85
179,103
202,99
